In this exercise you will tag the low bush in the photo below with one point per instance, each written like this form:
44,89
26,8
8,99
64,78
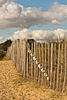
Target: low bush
2,54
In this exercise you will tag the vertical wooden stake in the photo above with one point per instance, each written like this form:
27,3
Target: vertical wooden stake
27,60
45,62
34,63
65,70
48,64
58,65
29,65
51,65
39,62
61,65
42,62
54,66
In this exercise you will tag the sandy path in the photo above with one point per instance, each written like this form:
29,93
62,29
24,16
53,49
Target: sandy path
13,88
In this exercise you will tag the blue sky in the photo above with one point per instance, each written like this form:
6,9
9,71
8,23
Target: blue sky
7,30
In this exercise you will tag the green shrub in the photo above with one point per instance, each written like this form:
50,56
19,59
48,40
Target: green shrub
6,45
2,54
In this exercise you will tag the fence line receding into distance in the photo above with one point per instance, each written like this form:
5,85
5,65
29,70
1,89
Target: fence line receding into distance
45,63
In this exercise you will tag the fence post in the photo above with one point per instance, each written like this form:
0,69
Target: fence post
45,61
58,64
54,66
39,62
31,62
51,65
34,62
42,62
27,60
48,64
61,65
65,70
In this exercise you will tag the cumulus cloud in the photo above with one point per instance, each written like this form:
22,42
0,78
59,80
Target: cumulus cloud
17,16
39,34
4,1
1,38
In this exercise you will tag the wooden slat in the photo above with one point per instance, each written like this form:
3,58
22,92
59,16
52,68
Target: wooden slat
16,52
42,62
34,62
58,65
27,60
45,61
54,66
39,62
48,64
22,59
61,65
29,65
20,55
17,55
65,70
51,65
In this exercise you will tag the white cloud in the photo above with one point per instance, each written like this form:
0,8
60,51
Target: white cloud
2,41
17,16
39,34
4,1
1,38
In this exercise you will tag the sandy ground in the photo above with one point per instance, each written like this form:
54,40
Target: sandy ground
13,87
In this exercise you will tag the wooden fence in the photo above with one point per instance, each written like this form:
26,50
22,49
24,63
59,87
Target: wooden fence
41,62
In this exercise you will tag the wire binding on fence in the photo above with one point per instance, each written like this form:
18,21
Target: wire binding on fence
39,66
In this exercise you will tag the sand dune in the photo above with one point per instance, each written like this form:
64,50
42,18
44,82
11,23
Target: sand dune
14,87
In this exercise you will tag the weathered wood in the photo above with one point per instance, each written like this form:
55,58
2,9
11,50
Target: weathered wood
45,61
17,57
61,66
48,65
29,65
20,55
24,58
54,66
34,63
58,65
51,65
15,53
39,62
27,59
42,63
65,69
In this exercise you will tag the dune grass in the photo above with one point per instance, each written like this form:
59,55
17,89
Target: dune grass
3,56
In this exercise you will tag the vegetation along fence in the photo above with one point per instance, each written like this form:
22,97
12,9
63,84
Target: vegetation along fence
45,63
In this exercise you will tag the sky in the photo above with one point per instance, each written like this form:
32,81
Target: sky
37,19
